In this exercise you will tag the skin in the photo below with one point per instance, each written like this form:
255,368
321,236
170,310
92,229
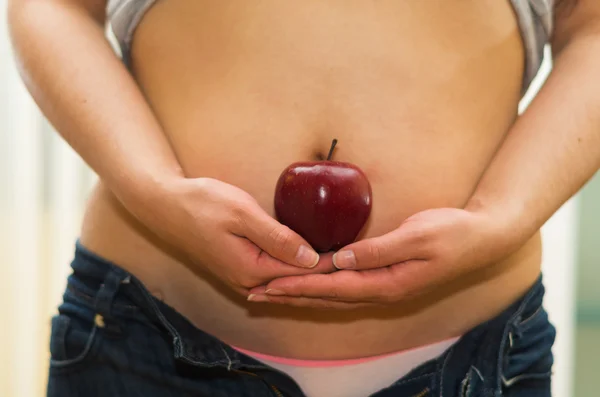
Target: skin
74,101
186,206
512,201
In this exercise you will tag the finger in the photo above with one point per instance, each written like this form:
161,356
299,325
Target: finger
402,281
260,290
375,285
278,240
268,268
314,303
403,244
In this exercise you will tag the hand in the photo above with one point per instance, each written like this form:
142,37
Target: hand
224,231
428,249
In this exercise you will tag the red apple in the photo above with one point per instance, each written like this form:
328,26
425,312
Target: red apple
326,202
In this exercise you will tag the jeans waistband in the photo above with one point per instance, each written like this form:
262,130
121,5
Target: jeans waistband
114,287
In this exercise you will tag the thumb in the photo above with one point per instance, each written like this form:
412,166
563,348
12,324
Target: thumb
278,240
400,245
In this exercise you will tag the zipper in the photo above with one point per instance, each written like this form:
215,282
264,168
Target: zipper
277,392
245,372
423,393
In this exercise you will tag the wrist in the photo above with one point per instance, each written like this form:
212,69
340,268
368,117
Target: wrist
148,192
506,223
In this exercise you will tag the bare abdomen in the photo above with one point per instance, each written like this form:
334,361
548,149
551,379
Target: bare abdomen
419,96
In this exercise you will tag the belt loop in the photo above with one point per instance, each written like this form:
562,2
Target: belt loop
104,302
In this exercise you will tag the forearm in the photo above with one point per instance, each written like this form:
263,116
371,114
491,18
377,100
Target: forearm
552,149
88,95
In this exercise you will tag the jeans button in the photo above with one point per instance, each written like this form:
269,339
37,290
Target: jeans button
99,321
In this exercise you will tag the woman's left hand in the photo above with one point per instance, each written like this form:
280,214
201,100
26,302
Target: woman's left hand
428,249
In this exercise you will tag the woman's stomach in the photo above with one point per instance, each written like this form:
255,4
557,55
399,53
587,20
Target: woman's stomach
419,95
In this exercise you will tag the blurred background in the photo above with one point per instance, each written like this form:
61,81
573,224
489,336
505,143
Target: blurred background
43,189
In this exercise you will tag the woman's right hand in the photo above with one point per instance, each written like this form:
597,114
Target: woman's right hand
222,229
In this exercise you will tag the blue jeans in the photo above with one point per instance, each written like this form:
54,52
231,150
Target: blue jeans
111,338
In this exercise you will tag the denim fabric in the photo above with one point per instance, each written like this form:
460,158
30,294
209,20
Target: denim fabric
111,338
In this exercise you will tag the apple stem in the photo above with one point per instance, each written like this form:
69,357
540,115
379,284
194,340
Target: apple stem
333,143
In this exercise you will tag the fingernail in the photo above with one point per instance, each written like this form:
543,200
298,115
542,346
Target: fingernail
275,292
307,257
344,260
257,298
